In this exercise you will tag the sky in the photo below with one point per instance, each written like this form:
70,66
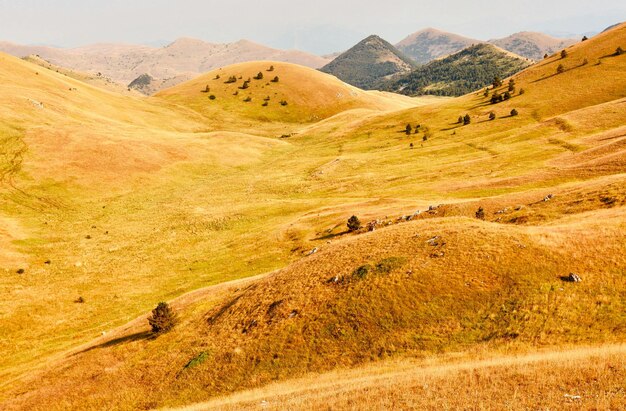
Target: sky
317,26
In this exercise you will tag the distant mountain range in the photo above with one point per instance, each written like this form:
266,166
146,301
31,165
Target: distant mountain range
370,61
368,65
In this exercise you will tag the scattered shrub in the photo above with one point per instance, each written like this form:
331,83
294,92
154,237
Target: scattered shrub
79,300
354,223
619,51
584,38
231,79
206,89
560,69
496,82
217,77
275,79
245,85
585,62
265,104
514,113
480,214
212,97
163,318
521,91
20,271
266,98
236,93
362,271
563,54
283,103
492,116
271,68
199,359
411,145
545,56
460,120
247,99
259,76
486,93
506,95
387,265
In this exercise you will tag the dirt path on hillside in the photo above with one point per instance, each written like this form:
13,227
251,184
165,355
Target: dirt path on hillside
397,373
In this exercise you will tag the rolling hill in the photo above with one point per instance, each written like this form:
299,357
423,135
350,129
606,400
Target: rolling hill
532,45
461,73
430,44
179,61
471,236
368,63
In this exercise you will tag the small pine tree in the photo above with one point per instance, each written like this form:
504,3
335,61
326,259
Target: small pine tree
408,129
563,54
585,38
560,69
217,77
512,86
514,113
271,68
492,116
163,318
460,120
545,56
619,51
275,79
467,119
354,223
521,91
259,76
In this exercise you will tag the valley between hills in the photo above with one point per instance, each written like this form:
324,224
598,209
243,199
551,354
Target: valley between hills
228,196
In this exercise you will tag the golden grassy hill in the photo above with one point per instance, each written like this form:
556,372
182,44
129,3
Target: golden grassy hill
213,214
301,94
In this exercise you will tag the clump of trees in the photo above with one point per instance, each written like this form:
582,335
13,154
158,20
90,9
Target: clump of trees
163,318
354,223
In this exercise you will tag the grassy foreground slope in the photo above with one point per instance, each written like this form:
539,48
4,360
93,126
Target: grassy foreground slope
443,282
125,201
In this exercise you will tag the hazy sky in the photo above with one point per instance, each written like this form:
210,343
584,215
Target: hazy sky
319,26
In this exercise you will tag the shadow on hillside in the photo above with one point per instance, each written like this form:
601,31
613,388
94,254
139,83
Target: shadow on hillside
144,335
329,236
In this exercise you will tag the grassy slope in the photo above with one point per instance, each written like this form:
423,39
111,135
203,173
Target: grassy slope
212,220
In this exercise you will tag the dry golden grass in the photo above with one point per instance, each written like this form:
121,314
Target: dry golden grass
134,201
589,378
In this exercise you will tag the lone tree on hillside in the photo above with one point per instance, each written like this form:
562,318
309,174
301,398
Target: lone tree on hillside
163,318
585,38
408,129
514,113
460,120
259,76
563,54
275,79
206,89
467,119
492,116
354,223
271,68
619,51
545,56
560,69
